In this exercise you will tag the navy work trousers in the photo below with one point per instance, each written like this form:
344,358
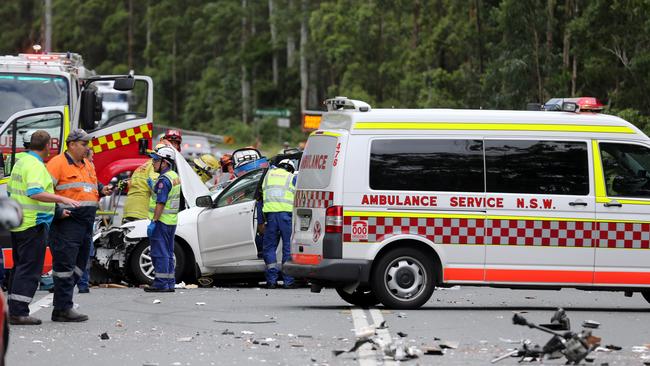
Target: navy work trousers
277,223
162,255
70,245
28,256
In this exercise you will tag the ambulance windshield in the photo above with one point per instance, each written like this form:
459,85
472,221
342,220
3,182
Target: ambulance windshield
19,92
317,162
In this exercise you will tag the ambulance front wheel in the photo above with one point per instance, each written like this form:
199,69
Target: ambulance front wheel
403,278
362,297
646,295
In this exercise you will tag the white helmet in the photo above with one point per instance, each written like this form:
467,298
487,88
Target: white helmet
27,137
164,152
287,164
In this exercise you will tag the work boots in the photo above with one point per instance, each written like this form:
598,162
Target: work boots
24,320
68,315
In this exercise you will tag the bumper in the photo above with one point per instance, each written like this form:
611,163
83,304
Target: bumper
331,271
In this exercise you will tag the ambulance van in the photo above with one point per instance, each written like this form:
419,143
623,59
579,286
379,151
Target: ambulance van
391,203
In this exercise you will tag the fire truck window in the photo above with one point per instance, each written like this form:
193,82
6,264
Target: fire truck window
537,167
11,148
625,169
427,165
121,106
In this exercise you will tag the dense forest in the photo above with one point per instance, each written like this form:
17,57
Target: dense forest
215,62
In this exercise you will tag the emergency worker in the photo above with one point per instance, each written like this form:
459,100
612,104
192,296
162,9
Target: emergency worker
206,167
175,138
227,170
163,210
74,177
278,190
31,186
136,206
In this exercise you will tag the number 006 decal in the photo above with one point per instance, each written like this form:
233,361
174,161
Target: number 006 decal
360,230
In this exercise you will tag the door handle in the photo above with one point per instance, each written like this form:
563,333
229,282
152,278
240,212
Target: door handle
577,203
613,204
244,212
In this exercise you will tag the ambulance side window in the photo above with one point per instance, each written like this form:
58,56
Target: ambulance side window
11,139
537,167
427,165
625,168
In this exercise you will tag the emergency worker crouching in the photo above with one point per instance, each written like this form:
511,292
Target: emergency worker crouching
278,189
74,177
163,211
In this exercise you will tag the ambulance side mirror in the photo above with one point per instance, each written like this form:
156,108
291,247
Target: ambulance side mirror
204,201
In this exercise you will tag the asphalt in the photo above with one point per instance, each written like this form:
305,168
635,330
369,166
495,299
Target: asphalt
252,326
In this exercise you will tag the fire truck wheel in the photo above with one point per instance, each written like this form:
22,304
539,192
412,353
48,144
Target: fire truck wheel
141,266
360,297
646,295
403,278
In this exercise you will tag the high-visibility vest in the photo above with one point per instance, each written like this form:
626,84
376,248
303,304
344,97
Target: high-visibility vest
170,212
278,191
30,172
75,181
137,200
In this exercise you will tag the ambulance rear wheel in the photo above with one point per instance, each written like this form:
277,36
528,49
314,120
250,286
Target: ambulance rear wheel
646,295
360,297
403,278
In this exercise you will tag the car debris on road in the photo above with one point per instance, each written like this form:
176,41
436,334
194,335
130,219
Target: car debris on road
575,347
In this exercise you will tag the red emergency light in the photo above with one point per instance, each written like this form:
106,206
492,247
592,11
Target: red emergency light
588,103
39,57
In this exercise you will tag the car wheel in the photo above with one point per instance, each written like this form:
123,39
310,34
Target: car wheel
646,295
403,278
360,297
141,265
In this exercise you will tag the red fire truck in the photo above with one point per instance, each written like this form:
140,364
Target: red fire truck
56,93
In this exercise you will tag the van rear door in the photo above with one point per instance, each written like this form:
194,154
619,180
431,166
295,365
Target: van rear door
317,219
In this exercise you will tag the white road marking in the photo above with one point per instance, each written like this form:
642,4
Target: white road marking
365,353
45,300
382,333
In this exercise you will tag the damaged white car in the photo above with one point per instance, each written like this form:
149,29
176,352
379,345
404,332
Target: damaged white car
215,239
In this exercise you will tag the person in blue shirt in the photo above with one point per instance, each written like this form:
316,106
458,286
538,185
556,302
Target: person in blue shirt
163,212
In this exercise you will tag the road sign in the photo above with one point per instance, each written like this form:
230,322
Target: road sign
273,112
284,122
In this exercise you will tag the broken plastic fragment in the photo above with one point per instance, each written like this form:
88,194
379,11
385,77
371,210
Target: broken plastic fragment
184,339
104,336
156,301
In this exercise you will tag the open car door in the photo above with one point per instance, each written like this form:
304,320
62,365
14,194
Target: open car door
226,231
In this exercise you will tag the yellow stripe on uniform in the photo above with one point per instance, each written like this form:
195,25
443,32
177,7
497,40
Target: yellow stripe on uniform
491,127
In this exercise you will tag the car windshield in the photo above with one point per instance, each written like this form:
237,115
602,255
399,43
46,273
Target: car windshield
19,92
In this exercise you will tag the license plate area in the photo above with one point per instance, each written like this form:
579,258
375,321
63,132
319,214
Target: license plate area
304,219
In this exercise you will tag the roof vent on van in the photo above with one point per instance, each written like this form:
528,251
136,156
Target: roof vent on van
342,103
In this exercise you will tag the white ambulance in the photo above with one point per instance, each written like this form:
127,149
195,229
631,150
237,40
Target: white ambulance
391,203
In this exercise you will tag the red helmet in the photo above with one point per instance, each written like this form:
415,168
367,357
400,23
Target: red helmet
173,135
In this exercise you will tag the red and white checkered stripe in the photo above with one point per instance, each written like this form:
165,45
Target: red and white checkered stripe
505,232
313,199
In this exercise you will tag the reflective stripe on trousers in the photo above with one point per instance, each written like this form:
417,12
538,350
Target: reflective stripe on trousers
20,298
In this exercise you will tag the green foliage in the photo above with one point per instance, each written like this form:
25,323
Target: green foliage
491,54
